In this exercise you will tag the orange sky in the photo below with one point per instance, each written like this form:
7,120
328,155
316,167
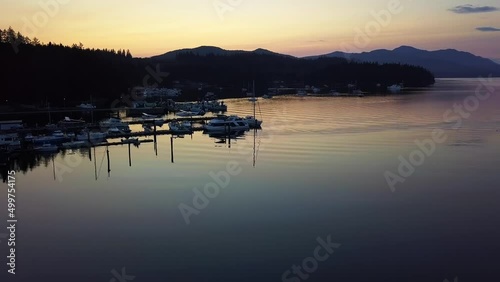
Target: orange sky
296,27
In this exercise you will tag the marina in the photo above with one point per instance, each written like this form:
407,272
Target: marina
70,134
323,155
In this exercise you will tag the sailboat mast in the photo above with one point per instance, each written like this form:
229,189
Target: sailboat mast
254,99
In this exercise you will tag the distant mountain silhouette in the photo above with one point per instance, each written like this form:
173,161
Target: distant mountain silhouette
107,77
442,63
212,50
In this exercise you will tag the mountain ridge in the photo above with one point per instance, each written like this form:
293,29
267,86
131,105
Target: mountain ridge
443,62
205,50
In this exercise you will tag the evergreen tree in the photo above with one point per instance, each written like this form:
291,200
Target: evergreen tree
11,35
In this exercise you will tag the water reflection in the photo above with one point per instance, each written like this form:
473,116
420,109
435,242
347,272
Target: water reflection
315,168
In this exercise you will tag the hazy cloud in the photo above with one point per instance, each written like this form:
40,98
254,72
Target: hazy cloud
487,28
317,41
469,9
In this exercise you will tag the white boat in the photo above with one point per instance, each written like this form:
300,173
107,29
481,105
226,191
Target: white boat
46,148
214,106
75,144
29,137
56,137
58,133
358,93
145,116
156,120
183,113
187,124
250,120
131,141
395,88
114,131
253,122
86,106
253,99
10,141
301,93
223,125
71,123
92,136
179,127
114,122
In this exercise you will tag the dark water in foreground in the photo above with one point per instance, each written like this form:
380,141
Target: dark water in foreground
319,172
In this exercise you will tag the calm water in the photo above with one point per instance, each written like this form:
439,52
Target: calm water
318,171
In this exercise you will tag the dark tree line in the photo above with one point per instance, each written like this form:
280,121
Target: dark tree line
36,73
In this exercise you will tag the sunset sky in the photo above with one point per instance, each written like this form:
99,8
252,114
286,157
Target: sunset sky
296,27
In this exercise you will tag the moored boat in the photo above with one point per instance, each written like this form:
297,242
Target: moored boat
250,120
71,123
183,113
56,137
395,88
74,144
10,141
91,136
223,125
179,127
114,122
46,148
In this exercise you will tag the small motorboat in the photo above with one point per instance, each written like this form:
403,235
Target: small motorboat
114,123
183,113
178,127
221,124
92,136
250,120
301,93
134,141
395,88
114,131
57,137
46,148
74,144
71,123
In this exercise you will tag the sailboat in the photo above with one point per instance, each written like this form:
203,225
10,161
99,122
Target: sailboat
251,120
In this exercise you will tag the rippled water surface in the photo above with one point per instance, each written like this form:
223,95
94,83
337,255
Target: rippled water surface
316,169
